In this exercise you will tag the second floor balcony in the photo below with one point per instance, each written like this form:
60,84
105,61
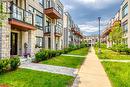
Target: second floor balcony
53,10
47,30
21,18
58,31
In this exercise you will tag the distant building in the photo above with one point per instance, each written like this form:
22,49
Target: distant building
91,40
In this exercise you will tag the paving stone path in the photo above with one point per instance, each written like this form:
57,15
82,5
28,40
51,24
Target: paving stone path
92,73
111,60
50,68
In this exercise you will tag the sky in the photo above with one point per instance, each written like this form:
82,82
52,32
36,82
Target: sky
85,13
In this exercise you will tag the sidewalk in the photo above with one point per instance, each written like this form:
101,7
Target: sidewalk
92,73
50,68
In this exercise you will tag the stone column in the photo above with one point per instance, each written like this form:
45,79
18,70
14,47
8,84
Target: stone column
60,43
24,37
52,36
46,42
31,42
5,40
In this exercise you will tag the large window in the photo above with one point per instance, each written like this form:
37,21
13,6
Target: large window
38,17
39,20
39,42
125,10
125,28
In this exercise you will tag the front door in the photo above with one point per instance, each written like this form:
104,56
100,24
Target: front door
14,37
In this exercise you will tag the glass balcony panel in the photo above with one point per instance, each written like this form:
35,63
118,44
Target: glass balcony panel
22,15
28,17
47,29
17,13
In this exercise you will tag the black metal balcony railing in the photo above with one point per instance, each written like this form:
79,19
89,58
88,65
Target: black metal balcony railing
47,29
51,4
21,14
58,29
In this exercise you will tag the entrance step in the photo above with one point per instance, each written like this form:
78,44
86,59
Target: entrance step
25,60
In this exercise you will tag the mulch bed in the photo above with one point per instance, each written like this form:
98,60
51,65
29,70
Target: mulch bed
3,85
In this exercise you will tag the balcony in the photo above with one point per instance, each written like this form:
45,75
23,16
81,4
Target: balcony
21,19
53,11
58,32
47,30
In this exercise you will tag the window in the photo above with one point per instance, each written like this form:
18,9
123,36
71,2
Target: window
125,28
125,10
39,20
39,41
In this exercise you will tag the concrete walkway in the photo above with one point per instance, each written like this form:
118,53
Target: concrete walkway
111,60
72,55
92,73
50,68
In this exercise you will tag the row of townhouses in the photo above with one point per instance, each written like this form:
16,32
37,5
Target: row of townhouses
34,24
91,40
123,18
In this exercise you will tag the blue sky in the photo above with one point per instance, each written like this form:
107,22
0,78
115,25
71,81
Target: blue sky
85,13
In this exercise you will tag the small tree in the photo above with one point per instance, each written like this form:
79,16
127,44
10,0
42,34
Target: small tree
116,34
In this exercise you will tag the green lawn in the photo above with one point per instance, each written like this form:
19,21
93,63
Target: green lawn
119,73
68,61
72,62
30,78
82,52
109,54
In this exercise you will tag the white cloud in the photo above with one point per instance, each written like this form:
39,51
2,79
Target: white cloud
68,7
92,26
97,4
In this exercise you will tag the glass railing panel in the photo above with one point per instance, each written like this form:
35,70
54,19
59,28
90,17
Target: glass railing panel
21,14
28,17
47,29
58,29
17,13
50,4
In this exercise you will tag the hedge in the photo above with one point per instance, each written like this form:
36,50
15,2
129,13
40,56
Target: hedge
121,48
9,64
103,45
47,54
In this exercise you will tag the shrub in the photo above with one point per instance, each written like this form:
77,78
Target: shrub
121,48
103,45
47,54
14,63
40,56
4,64
9,64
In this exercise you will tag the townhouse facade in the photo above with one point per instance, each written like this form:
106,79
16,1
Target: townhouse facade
53,20
125,21
72,34
122,17
105,36
23,28
31,25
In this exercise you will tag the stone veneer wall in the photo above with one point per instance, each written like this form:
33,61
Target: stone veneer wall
5,40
